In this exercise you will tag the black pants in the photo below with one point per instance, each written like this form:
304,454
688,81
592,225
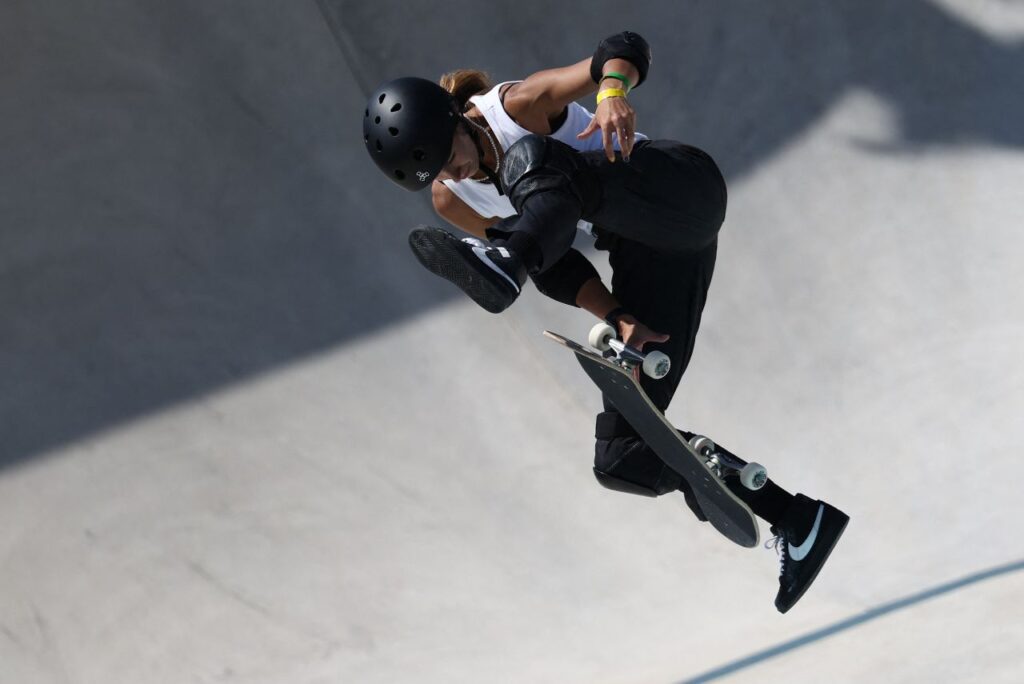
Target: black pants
658,217
662,267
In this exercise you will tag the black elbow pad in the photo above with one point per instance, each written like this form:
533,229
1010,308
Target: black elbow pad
562,282
626,45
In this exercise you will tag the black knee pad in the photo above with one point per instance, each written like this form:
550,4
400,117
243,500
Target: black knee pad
624,463
612,473
536,163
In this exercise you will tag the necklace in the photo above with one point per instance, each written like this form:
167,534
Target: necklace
494,146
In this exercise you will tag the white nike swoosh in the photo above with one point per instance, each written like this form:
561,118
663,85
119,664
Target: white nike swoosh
481,254
798,553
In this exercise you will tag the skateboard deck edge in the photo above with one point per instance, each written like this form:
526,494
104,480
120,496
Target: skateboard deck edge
748,537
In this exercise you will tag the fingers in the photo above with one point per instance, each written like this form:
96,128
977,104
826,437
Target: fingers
623,127
616,119
606,137
589,130
627,134
625,142
629,140
638,339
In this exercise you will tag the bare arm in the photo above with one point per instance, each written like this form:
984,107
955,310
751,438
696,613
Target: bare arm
544,95
534,104
456,212
593,295
595,298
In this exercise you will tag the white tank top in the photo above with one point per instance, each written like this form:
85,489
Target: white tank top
483,198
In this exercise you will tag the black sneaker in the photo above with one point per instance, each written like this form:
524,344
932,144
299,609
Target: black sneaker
492,276
804,538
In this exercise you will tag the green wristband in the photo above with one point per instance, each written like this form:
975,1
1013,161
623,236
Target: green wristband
621,77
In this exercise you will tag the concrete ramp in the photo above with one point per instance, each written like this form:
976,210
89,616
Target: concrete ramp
245,437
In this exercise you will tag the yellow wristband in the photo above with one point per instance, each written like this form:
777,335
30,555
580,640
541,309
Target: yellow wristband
610,92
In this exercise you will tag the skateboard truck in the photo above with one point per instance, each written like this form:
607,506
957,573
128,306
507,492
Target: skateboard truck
656,364
604,338
615,375
752,475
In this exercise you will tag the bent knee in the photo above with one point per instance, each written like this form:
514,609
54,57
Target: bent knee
627,464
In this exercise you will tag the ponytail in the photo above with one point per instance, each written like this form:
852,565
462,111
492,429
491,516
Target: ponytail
464,84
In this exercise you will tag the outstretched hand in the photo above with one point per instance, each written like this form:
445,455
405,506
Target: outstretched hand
613,116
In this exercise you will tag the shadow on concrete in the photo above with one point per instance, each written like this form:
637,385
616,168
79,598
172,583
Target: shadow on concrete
855,621
186,204
740,79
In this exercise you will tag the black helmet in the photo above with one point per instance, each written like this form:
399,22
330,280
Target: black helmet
408,130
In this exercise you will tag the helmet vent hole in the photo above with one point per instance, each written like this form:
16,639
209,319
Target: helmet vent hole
366,138
380,148
380,100
376,120
367,114
418,155
399,175
393,131
396,107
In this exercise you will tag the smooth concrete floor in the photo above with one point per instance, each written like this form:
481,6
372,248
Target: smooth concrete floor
244,437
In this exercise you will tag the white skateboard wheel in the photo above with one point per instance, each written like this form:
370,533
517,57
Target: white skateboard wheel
657,364
702,445
753,476
599,336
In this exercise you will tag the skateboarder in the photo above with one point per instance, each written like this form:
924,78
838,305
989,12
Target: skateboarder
520,166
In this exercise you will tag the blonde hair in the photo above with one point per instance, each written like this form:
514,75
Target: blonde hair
464,84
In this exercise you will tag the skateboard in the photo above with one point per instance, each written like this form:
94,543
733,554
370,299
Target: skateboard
698,460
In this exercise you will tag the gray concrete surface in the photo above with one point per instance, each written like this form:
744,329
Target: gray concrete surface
243,437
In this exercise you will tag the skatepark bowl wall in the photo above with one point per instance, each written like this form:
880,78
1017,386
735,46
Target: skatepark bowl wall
245,437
